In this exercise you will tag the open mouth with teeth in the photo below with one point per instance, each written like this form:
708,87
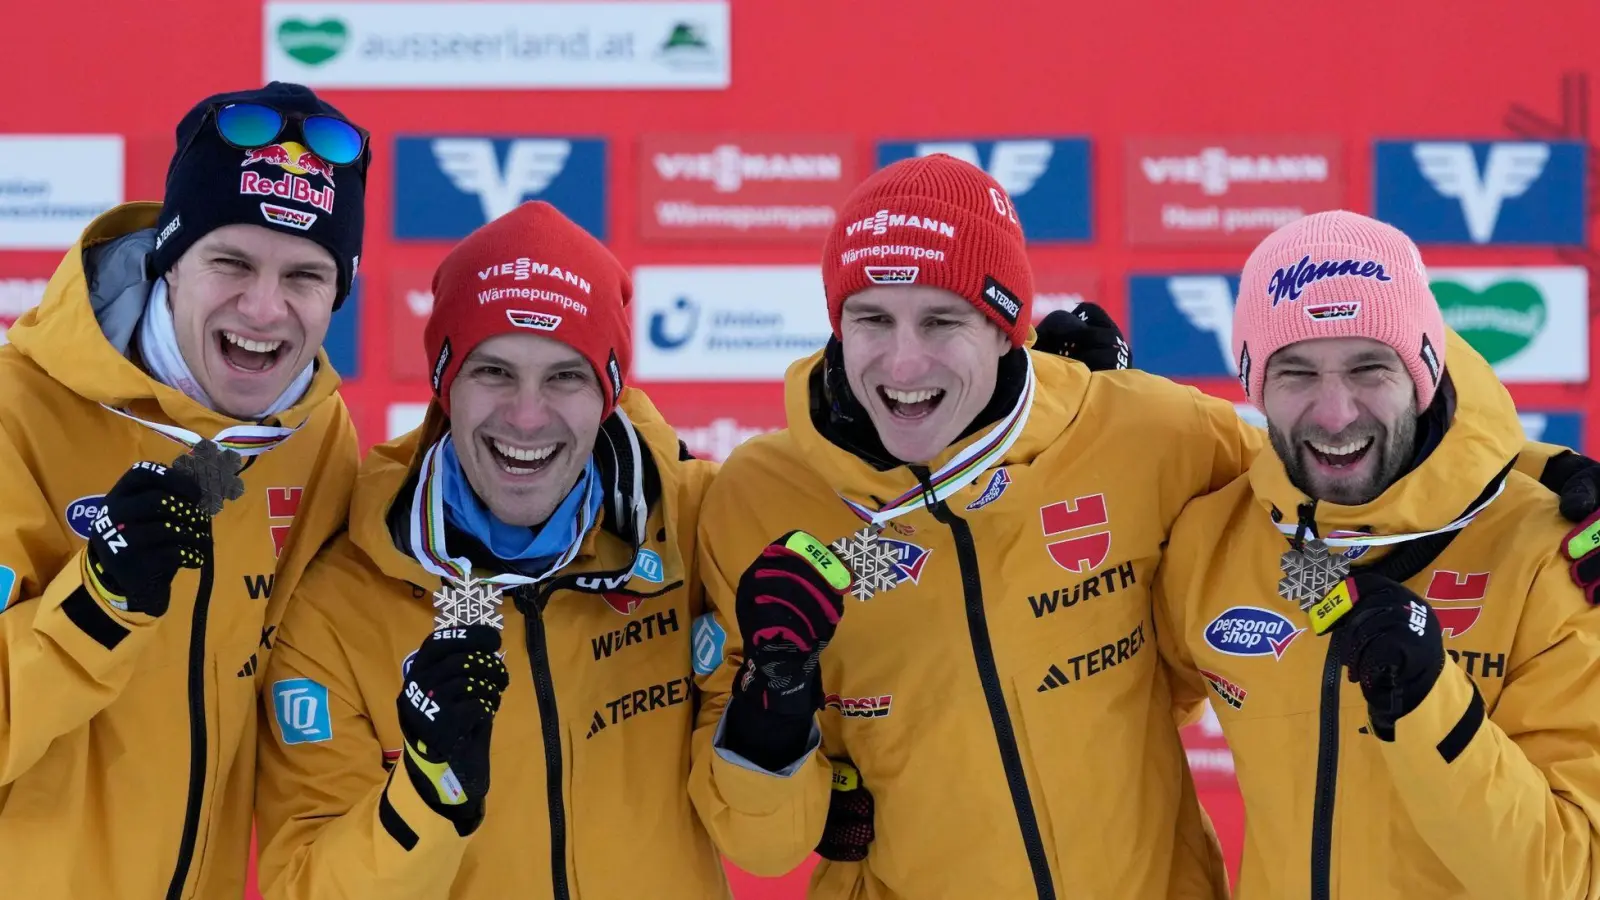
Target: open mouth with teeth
916,404
1340,456
249,355
515,460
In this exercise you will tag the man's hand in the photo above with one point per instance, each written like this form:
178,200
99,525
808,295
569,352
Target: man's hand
151,526
1576,478
788,604
1087,334
1392,646
447,707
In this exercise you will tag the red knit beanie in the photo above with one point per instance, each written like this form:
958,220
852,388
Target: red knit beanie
933,220
531,270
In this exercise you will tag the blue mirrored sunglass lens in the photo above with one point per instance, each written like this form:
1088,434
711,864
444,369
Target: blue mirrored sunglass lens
249,124
335,140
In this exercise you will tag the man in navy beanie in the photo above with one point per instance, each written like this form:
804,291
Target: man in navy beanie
173,451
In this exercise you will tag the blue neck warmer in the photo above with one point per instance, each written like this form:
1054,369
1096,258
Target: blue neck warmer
538,546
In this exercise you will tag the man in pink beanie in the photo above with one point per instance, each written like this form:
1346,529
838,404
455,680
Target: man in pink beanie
1409,677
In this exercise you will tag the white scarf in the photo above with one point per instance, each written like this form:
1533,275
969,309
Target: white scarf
158,347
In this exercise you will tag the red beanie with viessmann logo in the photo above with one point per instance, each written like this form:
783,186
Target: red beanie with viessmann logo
933,220
531,271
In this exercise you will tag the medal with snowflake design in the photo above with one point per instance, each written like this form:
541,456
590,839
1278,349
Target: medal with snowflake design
216,470
469,602
1310,573
872,563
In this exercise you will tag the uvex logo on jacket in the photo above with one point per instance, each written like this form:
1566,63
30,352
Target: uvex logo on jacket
1084,549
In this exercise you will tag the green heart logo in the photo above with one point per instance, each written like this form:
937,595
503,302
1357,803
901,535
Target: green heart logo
1499,321
312,43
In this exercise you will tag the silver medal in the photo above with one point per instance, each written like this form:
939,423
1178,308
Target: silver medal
872,563
471,602
217,472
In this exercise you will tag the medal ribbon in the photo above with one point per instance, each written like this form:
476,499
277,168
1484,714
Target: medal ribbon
963,469
1359,539
427,530
245,440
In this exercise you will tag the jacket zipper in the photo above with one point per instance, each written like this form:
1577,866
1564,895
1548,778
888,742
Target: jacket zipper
550,724
197,732
1327,773
989,676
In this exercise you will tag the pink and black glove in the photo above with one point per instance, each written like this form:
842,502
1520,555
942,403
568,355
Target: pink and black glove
788,604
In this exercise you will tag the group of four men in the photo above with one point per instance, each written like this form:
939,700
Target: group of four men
942,629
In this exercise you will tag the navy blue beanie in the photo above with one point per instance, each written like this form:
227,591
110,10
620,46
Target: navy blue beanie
211,184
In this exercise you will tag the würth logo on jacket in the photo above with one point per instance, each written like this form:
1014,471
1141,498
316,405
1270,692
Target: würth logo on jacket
283,504
1086,549
1452,588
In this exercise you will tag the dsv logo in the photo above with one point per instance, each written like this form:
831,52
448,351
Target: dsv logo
671,330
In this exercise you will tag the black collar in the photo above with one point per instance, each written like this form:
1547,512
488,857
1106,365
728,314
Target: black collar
839,416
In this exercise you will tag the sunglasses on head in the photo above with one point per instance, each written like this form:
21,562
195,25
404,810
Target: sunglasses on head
249,126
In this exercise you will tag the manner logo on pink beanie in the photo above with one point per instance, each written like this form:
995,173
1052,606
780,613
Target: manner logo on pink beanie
1337,274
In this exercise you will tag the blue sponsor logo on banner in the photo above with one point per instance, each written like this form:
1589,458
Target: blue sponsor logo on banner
1482,192
1048,178
343,342
1564,429
445,187
8,584
1183,324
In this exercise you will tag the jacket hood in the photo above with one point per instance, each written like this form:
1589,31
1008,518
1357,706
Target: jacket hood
1480,440
80,332
1059,391
633,526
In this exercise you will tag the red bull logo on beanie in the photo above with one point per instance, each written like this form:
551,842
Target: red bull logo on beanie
1288,283
297,162
1251,631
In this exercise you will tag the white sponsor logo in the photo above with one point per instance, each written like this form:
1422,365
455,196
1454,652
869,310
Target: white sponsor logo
674,44
522,318
880,223
173,226
531,164
725,323
52,187
728,167
1207,302
688,214
280,215
1507,173
717,438
860,253
1214,169
523,268
420,303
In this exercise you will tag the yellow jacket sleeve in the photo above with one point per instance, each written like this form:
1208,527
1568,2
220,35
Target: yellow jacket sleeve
766,824
1509,797
1535,455
65,654
1235,442
331,822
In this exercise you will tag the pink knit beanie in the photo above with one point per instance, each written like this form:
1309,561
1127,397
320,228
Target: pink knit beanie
1337,274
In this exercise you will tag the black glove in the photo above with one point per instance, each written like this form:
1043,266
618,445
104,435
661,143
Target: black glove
1087,334
151,526
1576,478
447,709
1392,646
849,830
788,604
